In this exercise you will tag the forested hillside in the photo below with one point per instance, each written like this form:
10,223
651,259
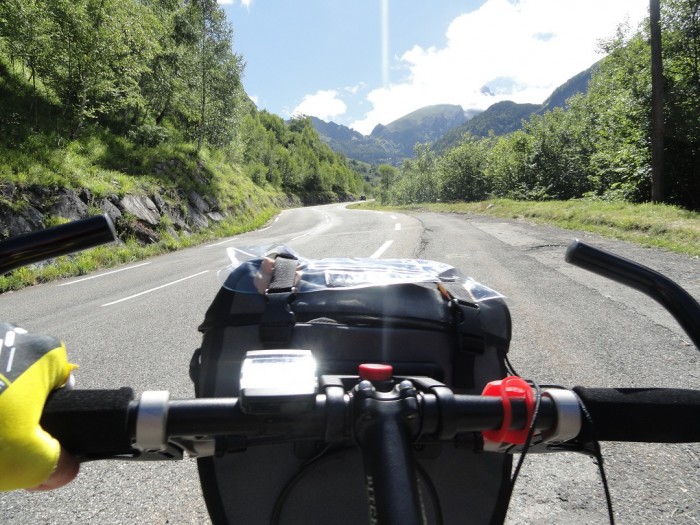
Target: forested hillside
599,147
104,99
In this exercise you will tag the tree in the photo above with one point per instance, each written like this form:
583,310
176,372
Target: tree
24,25
461,171
212,103
100,49
680,21
387,176
618,109
417,179
658,178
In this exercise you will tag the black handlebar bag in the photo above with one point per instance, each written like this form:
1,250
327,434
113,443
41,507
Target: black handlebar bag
349,312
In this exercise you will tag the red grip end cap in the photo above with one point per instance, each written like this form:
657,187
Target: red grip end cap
511,387
376,372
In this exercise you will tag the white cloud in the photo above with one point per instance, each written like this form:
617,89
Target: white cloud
525,48
323,104
244,3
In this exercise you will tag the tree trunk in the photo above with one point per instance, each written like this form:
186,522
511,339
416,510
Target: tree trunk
85,84
658,182
203,105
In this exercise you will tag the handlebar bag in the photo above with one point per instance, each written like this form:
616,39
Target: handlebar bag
436,329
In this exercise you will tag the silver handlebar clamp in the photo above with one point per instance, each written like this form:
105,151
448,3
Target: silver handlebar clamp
151,418
568,410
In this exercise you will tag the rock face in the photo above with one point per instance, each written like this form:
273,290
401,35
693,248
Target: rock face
141,207
24,209
68,205
16,223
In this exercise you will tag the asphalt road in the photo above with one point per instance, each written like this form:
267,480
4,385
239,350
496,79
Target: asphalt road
137,324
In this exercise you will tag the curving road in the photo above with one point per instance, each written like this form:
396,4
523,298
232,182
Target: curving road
137,324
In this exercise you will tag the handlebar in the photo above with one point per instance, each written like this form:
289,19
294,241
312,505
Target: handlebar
52,242
663,290
98,424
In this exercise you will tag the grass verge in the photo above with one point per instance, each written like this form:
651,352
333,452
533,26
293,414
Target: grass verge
658,225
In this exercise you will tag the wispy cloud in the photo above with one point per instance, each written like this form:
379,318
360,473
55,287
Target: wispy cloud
535,45
354,90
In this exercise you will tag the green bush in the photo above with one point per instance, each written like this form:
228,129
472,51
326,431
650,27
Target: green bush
148,135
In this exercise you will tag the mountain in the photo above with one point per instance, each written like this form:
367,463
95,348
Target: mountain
506,117
501,118
443,125
573,86
354,145
394,142
423,125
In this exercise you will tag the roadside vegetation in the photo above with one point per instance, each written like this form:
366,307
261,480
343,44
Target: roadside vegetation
597,148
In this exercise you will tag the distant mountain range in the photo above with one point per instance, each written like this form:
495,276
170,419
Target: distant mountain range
441,125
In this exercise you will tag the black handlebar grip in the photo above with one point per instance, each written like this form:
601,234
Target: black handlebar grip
92,424
648,415
663,290
52,242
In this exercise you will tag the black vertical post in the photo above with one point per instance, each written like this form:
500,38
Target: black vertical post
658,182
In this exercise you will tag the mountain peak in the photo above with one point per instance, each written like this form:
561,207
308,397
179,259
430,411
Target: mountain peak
426,124
442,125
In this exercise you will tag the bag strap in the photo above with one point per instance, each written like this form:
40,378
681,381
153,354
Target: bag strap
278,320
283,275
458,292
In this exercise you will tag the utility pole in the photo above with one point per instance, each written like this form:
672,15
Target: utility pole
658,181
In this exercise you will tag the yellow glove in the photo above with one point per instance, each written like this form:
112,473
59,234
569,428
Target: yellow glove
31,366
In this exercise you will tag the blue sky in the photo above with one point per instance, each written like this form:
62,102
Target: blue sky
365,62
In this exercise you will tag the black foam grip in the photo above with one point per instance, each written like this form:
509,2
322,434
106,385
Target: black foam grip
650,415
52,242
90,423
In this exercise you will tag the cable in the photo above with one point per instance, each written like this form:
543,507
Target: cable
509,367
303,469
604,479
526,446
326,453
530,434
601,468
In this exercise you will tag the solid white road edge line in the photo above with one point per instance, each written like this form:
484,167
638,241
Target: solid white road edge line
154,289
222,242
103,274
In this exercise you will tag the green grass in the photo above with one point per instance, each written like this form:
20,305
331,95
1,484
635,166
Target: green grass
106,165
658,225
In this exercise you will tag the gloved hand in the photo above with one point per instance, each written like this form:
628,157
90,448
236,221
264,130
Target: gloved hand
31,366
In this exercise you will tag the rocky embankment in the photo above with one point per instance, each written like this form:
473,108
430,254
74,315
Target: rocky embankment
25,209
